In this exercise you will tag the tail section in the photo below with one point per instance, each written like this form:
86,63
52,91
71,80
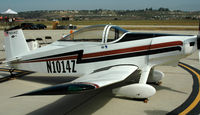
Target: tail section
15,44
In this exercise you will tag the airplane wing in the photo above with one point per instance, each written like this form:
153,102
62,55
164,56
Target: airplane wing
97,79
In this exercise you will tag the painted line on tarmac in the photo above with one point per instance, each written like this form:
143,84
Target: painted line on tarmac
192,104
18,73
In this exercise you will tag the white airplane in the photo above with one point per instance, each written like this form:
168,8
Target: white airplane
99,56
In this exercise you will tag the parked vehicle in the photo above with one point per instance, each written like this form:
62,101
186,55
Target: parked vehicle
29,26
61,27
71,27
41,26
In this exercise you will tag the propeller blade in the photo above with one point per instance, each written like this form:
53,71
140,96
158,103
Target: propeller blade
199,56
198,41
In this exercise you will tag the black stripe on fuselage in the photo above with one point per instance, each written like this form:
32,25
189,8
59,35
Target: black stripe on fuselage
78,52
142,36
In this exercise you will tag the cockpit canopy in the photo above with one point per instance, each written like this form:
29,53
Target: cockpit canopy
96,33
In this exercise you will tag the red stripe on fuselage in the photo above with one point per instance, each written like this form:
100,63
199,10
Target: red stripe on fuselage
112,52
132,49
167,44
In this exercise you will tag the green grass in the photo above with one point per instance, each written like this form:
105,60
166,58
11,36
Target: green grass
161,28
127,22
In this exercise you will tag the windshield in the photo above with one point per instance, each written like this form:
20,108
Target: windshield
96,34
91,33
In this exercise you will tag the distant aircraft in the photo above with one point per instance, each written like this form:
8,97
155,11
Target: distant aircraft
100,55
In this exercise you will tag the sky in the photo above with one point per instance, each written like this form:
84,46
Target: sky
31,5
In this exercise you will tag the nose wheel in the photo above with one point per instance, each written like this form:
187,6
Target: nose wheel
146,100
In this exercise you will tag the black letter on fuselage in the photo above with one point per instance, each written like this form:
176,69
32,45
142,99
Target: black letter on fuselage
54,68
63,66
58,66
49,66
73,67
68,66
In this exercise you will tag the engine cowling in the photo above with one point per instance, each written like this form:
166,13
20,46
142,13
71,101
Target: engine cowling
138,91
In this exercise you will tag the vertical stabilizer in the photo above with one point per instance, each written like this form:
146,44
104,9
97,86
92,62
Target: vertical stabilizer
15,44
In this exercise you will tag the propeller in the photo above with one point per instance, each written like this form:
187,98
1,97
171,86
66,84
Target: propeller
198,41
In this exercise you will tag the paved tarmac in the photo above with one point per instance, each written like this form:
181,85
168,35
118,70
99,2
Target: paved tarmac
175,89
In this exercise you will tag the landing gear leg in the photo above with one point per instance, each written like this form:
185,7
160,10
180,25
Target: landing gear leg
144,75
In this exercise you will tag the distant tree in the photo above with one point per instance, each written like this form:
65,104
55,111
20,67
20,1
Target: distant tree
149,9
163,9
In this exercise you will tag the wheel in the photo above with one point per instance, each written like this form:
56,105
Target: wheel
159,83
146,100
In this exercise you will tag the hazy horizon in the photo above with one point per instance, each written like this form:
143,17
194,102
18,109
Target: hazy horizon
26,5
